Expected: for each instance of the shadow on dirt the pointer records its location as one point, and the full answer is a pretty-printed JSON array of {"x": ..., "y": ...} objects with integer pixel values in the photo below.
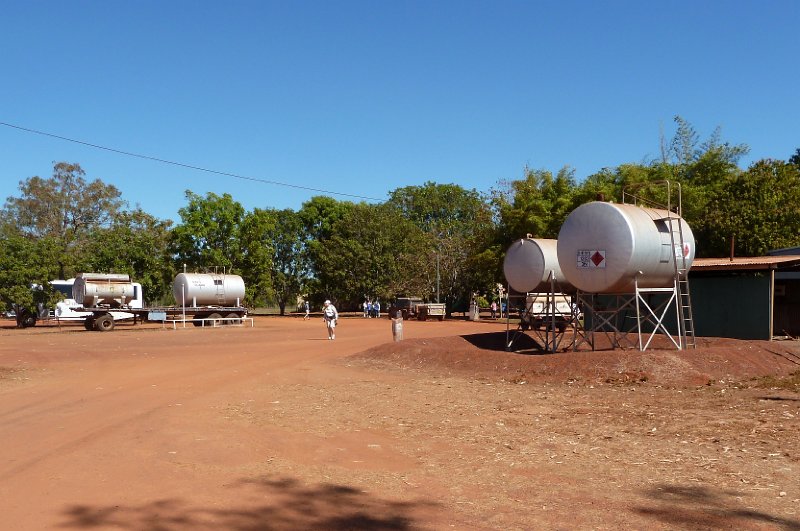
[
  {"x": 522, "y": 343},
  {"x": 282, "y": 503},
  {"x": 778, "y": 398},
  {"x": 700, "y": 508}
]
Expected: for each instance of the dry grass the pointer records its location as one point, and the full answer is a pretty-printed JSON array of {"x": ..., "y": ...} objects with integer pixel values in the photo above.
[{"x": 789, "y": 383}]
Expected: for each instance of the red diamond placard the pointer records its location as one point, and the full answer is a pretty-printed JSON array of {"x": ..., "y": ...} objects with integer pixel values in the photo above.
[{"x": 597, "y": 258}]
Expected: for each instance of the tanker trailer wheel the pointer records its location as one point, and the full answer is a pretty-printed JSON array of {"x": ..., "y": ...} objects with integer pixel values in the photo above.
[
  {"x": 26, "y": 319},
  {"x": 215, "y": 315},
  {"x": 88, "y": 323},
  {"x": 441, "y": 317},
  {"x": 233, "y": 319},
  {"x": 104, "y": 323}
]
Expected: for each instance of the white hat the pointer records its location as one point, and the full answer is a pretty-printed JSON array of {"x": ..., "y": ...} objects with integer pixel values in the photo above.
[{"x": 327, "y": 302}]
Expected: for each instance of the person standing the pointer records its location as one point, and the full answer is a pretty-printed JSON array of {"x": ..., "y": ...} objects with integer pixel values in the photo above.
[
  {"x": 364, "y": 306},
  {"x": 369, "y": 309},
  {"x": 494, "y": 309},
  {"x": 330, "y": 316},
  {"x": 377, "y": 308},
  {"x": 307, "y": 316}
]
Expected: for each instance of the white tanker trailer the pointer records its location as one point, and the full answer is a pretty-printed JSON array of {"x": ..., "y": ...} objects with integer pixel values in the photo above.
[{"x": 198, "y": 296}]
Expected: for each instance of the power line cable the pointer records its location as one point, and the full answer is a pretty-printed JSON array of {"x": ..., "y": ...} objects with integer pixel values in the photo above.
[{"x": 188, "y": 166}]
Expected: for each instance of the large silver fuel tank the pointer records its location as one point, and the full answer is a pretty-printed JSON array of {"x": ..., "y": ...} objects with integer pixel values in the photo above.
[
  {"x": 528, "y": 264},
  {"x": 208, "y": 289},
  {"x": 94, "y": 289},
  {"x": 603, "y": 247}
]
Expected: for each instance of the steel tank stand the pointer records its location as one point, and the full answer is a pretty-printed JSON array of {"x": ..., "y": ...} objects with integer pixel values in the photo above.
[
  {"x": 611, "y": 316},
  {"x": 547, "y": 327}
]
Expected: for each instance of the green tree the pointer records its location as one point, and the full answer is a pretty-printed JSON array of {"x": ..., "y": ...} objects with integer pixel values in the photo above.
[
  {"x": 458, "y": 224},
  {"x": 374, "y": 252},
  {"x": 208, "y": 235},
  {"x": 257, "y": 249},
  {"x": 759, "y": 208},
  {"x": 318, "y": 216},
  {"x": 26, "y": 262},
  {"x": 536, "y": 204},
  {"x": 289, "y": 259},
  {"x": 604, "y": 185},
  {"x": 795, "y": 159},
  {"x": 64, "y": 208}
]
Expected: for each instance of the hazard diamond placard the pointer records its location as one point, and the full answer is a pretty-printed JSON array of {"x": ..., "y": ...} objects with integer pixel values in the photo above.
[{"x": 591, "y": 259}]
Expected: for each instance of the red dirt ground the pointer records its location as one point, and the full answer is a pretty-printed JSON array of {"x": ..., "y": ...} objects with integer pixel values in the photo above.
[{"x": 275, "y": 427}]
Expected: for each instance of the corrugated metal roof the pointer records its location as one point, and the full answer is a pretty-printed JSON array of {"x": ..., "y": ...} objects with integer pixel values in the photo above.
[{"x": 746, "y": 262}]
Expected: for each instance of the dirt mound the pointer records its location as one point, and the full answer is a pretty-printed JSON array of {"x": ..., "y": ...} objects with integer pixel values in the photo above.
[{"x": 484, "y": 356}]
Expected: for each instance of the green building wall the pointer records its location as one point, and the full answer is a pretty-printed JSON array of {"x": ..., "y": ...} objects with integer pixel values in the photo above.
[{"x": 734, "y": 306}]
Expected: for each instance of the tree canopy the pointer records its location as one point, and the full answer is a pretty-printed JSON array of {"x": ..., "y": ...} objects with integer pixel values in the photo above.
[{"x": 64, "y": 208}]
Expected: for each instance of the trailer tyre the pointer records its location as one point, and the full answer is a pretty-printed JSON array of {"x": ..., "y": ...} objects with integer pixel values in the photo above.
[
  {"x": 104, "y": 323},
  {"x": 88, "y": 323},
  {"x": 27, "y": 319},
  {"x": 233, "y": 319}
]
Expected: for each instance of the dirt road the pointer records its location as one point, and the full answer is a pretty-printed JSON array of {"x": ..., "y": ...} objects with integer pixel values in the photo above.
[{"x": 275, "y": 427}]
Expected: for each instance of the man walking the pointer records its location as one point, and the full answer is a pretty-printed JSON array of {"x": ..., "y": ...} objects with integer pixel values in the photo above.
[{"x": 330, "y": 316}]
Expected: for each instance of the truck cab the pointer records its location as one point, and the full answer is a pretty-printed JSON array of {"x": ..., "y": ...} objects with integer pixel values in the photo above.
[
  {"x": 407, "y": 306},
  {"x": 416, "y": 307}
]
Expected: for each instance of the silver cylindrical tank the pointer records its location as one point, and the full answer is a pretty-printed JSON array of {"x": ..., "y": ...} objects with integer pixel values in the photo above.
[
  {"x": 93, "y": 289},
  {"x": 603, "y": 247},
  {"x": 528, "y": 264},
  {"x": 208, "y": 289}
]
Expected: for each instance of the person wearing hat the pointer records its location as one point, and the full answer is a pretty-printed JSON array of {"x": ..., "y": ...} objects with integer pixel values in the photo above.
[{"x": 330, "y": 316}]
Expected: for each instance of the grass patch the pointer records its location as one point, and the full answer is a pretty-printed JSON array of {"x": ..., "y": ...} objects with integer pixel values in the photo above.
[{"x": 789, "y": 383}]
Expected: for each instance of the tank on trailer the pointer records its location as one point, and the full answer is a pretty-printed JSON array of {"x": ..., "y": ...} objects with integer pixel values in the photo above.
[
  {"x": 607, "y": 247},
  {"x": 208, "y": 289},
  {"x": 103, "y": 289}
]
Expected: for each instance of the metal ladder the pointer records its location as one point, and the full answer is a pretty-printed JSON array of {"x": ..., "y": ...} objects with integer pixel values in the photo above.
[
  {"x": 220, "y": 289},
  {"x": 681, "y": 282},
  {"x": 684, "y": 297}
]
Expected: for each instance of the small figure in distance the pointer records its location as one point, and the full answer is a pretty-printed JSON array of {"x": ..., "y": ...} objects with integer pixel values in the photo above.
[
  {"x": 330, "y": 316},
  {"x": 307, "y": 316}
]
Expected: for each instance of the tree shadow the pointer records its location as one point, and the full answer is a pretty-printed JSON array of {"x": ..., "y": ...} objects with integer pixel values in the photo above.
[
  {"x": 283, "y": 503},
  {"x": 691, "y": 507}
]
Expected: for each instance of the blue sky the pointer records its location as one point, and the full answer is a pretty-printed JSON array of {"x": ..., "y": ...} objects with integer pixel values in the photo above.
[{"x": 363, "y": 97}]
